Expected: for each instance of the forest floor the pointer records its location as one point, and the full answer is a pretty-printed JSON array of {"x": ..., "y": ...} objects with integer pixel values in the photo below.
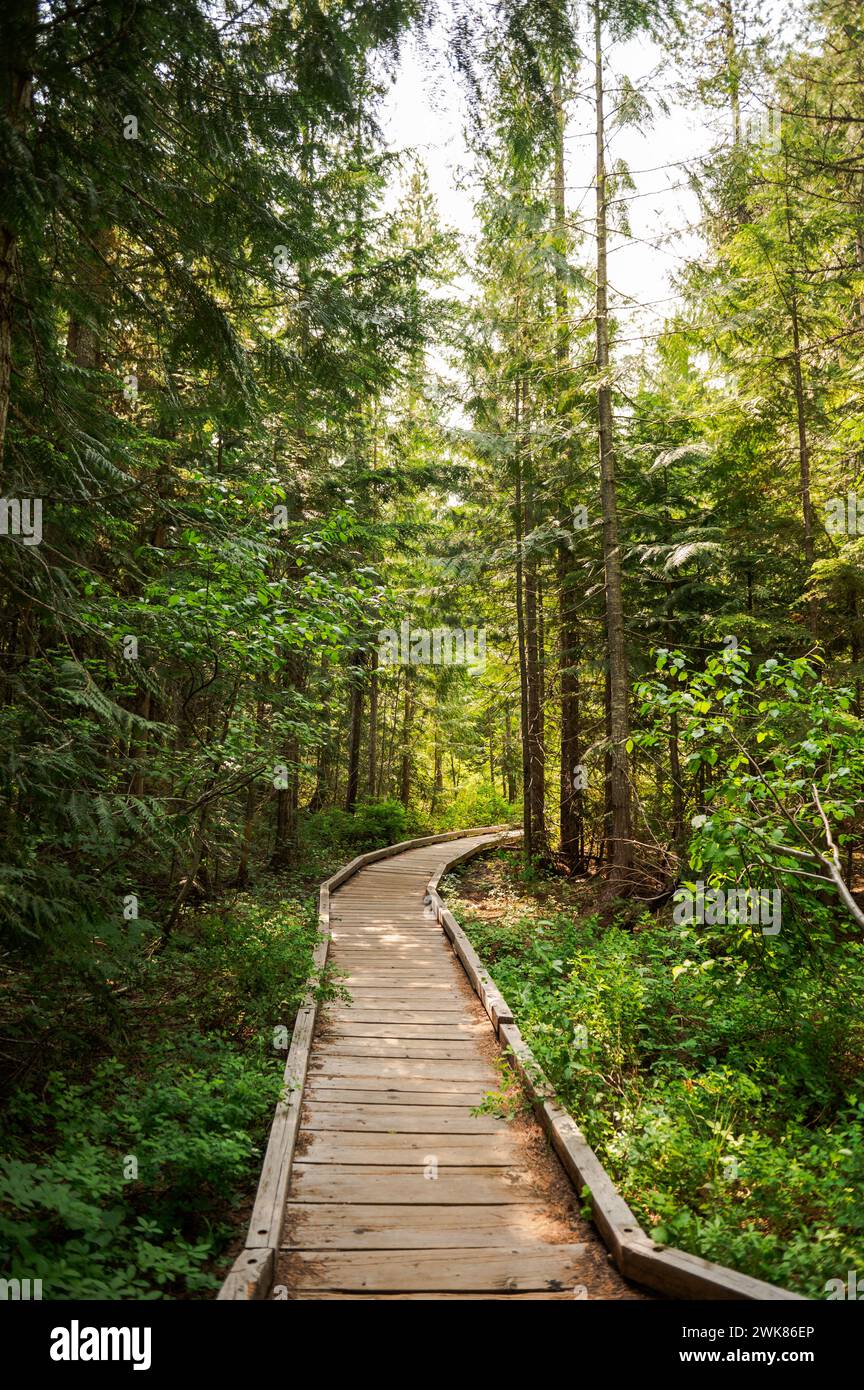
[
  {"x": 138, "y": 1095},
  {"x": 725, "y": 1103}
]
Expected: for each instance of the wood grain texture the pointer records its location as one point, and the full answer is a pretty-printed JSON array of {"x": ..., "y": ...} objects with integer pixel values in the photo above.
[{"x": 399, "y": 1187}]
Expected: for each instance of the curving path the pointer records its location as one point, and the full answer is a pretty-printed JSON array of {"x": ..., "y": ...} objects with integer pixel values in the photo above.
[{"x": 397, "y": 1189}]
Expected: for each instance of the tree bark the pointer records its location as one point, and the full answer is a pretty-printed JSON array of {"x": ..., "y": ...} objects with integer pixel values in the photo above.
[
  {"x": 373, "y": 723},
  {"x": 510, "y": 783},
  {"x": 571, "y": 826},
  {"x": 527, "y": 807},
  {"x": 405, "y": 766},
  {"x": 617, "y": 800},
  {"x": 534, "y": 660},
  {"x": 288, "y": 798},
  {"x": 355, "y": 727}
]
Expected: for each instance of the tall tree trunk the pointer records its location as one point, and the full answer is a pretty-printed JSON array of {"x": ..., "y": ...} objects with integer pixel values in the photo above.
[
  {"x": 355, "y": 727},
  {"x": 405, "y": 766},
  {"x": 525, "y": 724},
  {"x": 510, "y": 784},
  {"x": 387, "y": 769},
  {"x": 325, "y": 757},
  {"x": 619, "y": 853},
  {"x": 572, "y": 826},
  {"x": 800, "y": 404},
  {"x": 373, "y": 723},
  {"x": 285, "y": 849},
  {"x": 534, "y": 662},
  {"x": 241, "y": 878},
  {"x": 437, "y": 777},
  {"x": 288, "y": 797},
  {"x": 571, "y": 829},
  {"x": 803, "y": 451},
  {"x": 677, "y": 786}
]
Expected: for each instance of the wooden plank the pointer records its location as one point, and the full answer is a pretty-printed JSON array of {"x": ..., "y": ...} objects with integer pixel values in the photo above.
[
  {"x": 555, "y": 1268},
  {"x": 397, "y": 1119},
  {"x": 266, "y": 1220},
  {"x": 411, "y": 960},
  {"x": 446, "y": 1049},
  {"x": 385, "y": 1006},
  {"x": 392, "y": 944},
  {"x": 385, "y": 1067},
  {"x": 406, "y": 977},
  {"x": 400, "y": 994},
  {"x": 393, "y": 1015},
  {"x": 328, "y": 1296},
  {"x": 490, "y": 996},
  {"x": 382, "y": 929},
  {"x": 429, "y": 1031},
  {"x": 357, "y": 1091},
  {"x": 680, "y": 1275},
  {"x": 377, "y": 990},
  {"x": 377, "y": 982},
  {"x": 467, "y": 1093},
  {"x": 403, "y": 903},
  {"x": 415, "y": 958},
  {"x": 468, "y": 1150},
  {"x": 402, "y": 942},
  {"x": 348, "y": 1182},
  {"x": 355, "y": 1226},
  {"x": 612, "y": 1216},
  {"x": 411, "y": 911},
  {"x": 414, "y": 965},
  {"x": 399, "y": 902},
  {"x": 250, "y": 1276}
]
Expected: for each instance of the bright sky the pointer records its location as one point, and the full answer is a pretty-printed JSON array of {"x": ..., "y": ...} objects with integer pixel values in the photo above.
[{"x": 425, "y": 110}]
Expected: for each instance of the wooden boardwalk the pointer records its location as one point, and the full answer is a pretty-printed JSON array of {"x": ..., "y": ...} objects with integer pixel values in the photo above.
[{"x": 397, "y": 1190}]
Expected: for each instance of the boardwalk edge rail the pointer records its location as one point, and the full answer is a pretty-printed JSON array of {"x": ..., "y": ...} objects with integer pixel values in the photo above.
[
  {"x": 253, "y": 1272},
  {"x": 638, "y": 1257}
]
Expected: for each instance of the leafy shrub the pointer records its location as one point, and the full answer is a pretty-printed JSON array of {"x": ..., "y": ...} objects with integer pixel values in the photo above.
[
  {"x": 726, "y": 1098},
  {"x": 79, "y": 1222},
  {"x": 188, "y": 1095},
  {"x": 372, "y": 825},
  {"x": 481, "y": 805}
]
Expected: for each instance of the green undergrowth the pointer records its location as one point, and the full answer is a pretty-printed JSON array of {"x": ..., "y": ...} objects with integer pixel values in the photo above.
[
  {"x": 139, "y": 1074},
  {"x": 719, "y": 1080},
  {"x": 136, "y": 1125},
  {"x": 373, "y": 825}
]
